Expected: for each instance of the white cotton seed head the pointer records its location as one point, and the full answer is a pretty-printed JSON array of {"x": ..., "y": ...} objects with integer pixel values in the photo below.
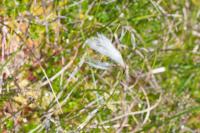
[{"x": 104, "y": 46}]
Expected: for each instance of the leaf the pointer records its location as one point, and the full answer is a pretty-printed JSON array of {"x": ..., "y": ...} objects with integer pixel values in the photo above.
[
  {"x": 98, "y": 64},
  {"x": 104, "y": 46}
]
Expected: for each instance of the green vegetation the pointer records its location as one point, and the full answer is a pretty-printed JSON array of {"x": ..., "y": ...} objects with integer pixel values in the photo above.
[{"x": 53, "y": 81}]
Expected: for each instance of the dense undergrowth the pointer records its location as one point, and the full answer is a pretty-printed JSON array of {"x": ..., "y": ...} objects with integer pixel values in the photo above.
[{"x": 50, "y": 82}]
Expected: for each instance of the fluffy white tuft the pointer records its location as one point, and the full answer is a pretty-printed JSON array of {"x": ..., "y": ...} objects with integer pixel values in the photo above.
[{"x": 104, "y": 46}]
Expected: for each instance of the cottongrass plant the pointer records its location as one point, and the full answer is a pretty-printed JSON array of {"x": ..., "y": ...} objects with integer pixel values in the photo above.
[{"x": 104, "y": 46}]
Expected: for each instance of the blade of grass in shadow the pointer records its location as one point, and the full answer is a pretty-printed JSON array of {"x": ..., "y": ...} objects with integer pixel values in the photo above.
[{"x": 167, "y": 120}]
